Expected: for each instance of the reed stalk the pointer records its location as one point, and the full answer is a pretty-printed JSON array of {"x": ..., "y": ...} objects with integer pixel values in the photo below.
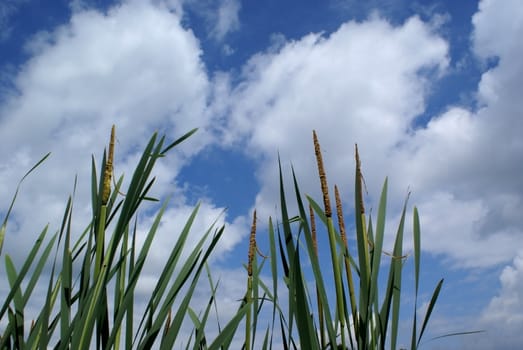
[
  {"x": 321, "y": 318},
  {"x": 332, "y": 239},
  {"x": 249, "y": 295},
  {"x": 346, "y": 261}
]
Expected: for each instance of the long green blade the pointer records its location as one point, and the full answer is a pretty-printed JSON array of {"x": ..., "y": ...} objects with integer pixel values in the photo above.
[
  {"x": 430, "y": 307},
  {"x": 417, "y": 253},
  {"x": 3, "y": 228}
]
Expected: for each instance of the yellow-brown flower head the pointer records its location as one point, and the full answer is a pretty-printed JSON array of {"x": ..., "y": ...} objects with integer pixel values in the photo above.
[
  {"x": 323, "y": 177},
  {"x": 252, "y": 245},
  {"x": 108, "y": 172},
  {"x": 339, "y": 213}
]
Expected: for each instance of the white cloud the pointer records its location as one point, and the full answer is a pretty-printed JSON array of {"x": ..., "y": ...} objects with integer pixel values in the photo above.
[
  {"x": 477, "y": 157},
  {"x": 134, "y": 66},
  {"x": 502, "y": 319},
  {"x": 459, "y": 235},
  {"x": 505, "y": 307},
  {"x": 221, "y": 17},
  {"x": 227, "y": 19},
  {"x": 494, "y": 26},
  {"x": 364, "y": 83}
]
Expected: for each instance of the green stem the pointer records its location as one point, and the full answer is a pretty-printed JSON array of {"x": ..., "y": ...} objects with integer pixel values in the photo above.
[
  {"x": 248, "y": 299},
  {"x": 100, "y": 237},
  {"x": 337, "y": 279},
  {"x": 352, "y": 296},
  {"x": 101, "y": 320}
]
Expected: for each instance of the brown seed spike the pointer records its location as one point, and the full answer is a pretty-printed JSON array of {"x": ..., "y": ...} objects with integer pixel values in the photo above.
[
  {"x": 323, "y": 177},
  {"x": 252, "y": 245},
  {"x": 339, "y": 213},
  {"x": 108, "y": 172},
  {"x": 359, "y": 179}
]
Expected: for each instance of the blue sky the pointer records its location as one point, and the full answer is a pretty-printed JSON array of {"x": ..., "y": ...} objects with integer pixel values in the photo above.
[{"x": 428, "y": 90}]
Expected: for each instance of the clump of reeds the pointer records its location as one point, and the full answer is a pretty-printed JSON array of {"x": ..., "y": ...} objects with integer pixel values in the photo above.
[
  {"x": 374, "y": 317},
  {"x": 76, "y": 312}
]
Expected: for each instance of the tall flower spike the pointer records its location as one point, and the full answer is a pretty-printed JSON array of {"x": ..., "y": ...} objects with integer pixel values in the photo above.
[
  {"x": 108, "y": 172},
  {"x": 339, "y": 213},
  {"x": 252, "y": 245},
  {"x": 323, "y": 177}
]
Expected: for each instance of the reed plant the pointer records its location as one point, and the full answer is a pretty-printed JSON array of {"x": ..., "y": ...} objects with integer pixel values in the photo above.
[
  {"x": 358, "y": 317},
  {"x": 96, "y": 307},
  {"x": 76, "y": 313}
]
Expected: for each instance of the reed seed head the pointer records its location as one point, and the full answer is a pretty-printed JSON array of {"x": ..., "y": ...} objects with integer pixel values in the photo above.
[
  {"x": 252, "y": 245},
  {"x": 339, "y": 213},
  {"x": 108, "y": 172},
  {"x": 323, "y": 177}
]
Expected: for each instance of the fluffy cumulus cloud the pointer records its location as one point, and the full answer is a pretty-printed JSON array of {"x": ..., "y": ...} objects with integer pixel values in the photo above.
[
  {"x": 504, "y": 315},
  {"x": 477, "y": 157},
  {"x": 364, "y": 83},
  {"x": 367, "y": 83},
  {"x": 134, "y": 66},
  {"x": 502, "y": 125}
]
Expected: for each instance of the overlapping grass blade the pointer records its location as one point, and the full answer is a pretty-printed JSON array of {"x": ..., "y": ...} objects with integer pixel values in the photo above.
[
  {"x": 274, "y": 273},
  {"x": 18, "y": 315},
  {"x": 363, "y": 252},
  {"x": 378, "y": 243},
  {"x": 315, "y": 265},
  {"x": 223, "y": 340},
  {"x": 397, "y": 265},
  {"x": 15, "y": 285},
  {"x": 66, "y": 273},
  {"x": 200, "y": 339},
  {"x": 177, "y": 321},
  {"x": 128, "y": 293},
  {"x": 168, "y": 269},
  {"x": 130, "y": 306},
  {"x": 304, "y": 322}
]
